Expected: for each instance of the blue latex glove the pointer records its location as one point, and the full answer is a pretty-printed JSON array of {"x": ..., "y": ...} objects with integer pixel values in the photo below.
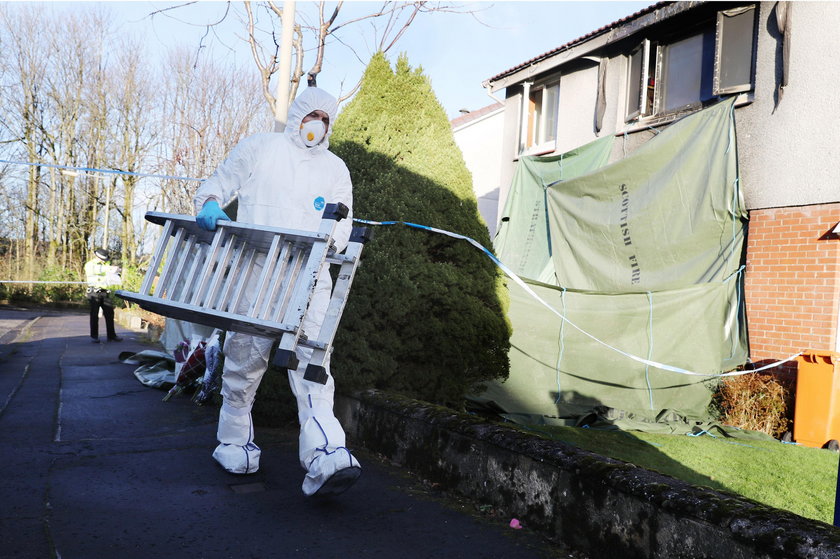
[{"x": 209, "y": 215}]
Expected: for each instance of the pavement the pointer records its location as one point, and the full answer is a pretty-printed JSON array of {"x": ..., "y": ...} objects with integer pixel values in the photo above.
[{"x": 94, "y": 465}]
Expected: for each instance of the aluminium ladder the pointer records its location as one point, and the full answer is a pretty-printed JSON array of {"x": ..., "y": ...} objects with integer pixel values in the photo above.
[{"x": 202, "y": 277}]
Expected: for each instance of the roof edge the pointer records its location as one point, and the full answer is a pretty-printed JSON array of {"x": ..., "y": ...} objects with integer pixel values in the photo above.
[{"x": 654, "y": 13}]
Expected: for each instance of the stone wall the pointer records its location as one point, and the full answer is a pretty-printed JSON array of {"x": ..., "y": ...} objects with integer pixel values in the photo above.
[{"x": 595, "y": 505}]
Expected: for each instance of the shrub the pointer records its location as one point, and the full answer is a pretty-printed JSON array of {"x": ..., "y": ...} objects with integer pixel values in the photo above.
[
  {"x": 425, "y": 316},
  {"x": 54, "y": 292},
  {"x": 132, "y": 278}
]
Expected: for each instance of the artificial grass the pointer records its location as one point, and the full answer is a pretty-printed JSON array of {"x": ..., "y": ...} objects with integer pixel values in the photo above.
[{"x": 785, "y": 476}]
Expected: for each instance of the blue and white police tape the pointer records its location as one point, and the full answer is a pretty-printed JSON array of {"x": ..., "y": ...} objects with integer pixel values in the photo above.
[
  {"x": 508, "y": 272},
  {"x": 45, "y": 282},
  {"x": 93, "y": 170}
]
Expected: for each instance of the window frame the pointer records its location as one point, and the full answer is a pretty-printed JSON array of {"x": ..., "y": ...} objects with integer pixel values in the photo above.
[
  {"x": 660, "y": 77},
  {"x": 533, "y": 129},
  {"x": 716, "y": 78},
  {"x": 644, "y": 71}
]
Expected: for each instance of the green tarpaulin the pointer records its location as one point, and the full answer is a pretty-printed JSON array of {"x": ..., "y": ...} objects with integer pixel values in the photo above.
[
  {"x": 523, "y": 231},
  {"x": 643, "y": 258}
]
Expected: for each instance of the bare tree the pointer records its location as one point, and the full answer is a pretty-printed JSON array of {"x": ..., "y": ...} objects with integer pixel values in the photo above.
[
  {"x": 132, "y": 134},
  {"x": 25, "y": 105},
  {"x": 73, "y": 54},
  {"x": 208, "y": 108},
  {"x": 389, "y": 22},
  {"x": 74, "y": 97}
]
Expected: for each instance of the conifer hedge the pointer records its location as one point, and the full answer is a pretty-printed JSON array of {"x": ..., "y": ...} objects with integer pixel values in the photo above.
[{"x": 426, "y": 314}]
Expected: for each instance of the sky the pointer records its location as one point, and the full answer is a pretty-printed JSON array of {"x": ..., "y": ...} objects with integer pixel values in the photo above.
[{"x": 457, "y": 51}]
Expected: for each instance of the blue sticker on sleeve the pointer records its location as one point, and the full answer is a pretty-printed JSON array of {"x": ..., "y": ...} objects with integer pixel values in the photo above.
[{"x": 320, "y": 203}]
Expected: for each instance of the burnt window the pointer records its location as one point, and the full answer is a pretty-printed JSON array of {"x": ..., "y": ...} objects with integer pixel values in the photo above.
[{"x": 669, "y": 74}]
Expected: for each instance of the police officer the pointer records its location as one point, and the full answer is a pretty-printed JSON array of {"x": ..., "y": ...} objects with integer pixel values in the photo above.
[{"x": 100, "y": 275}]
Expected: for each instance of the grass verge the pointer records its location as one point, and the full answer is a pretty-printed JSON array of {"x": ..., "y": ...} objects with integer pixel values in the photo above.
[{"x": 785, "y": 476}]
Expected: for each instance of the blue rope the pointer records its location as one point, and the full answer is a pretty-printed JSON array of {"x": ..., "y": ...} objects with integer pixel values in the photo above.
[
  {"x": 650, "y": 347},
  {"x": 704, "y": 432},
  {"x": 699, "y": 433},
  {"x": 738, "y": 287},
  {"x": 731, "y": 126},
  {"x": 562, "y": 344}
]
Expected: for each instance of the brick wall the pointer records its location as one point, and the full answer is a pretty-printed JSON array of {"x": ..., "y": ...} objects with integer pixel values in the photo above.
[{"x": 792, "y": 280}]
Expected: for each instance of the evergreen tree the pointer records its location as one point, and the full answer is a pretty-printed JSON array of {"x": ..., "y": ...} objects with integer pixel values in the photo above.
[{"x": 425, "y": 316}]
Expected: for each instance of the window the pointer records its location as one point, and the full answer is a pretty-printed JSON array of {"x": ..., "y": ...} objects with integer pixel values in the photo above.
[
  {"x": 675, "y": 73},
  {"x": 639, "y": 86},
  {"x": 634, "y": 82},
  {"x": 733, "y": 53},
  {"x": 542, "y": 115},
  {"x": 684, "y": 72}
]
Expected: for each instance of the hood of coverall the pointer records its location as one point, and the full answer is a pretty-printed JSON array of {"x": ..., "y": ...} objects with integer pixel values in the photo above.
[{"x": 311, "y": 99}]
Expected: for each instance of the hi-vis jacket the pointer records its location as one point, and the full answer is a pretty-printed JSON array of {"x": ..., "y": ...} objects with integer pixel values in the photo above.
[
  {"x": 281, "y": 182},
  {"x": 101, "y": 275}
]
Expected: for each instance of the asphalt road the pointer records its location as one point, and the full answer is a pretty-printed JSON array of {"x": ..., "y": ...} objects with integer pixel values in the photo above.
[{"x": 94, "y": 465}]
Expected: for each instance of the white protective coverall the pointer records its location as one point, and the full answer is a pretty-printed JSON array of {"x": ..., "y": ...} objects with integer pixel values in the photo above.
[{"x": 283, "y": 183}]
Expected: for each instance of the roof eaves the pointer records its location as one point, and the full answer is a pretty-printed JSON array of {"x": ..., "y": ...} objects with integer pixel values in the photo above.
[{"x": 580, "y": 40}]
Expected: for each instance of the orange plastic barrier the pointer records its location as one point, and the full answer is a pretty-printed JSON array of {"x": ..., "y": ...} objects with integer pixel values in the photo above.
[{"x": 816, "y": 420}]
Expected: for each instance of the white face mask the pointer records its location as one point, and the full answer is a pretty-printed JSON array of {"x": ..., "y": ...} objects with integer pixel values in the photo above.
[{"x": 312, "y": 132}]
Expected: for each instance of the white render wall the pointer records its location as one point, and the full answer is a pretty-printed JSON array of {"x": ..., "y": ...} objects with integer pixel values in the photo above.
[
  {"x": 576, "y": 115},
  {"x": 791, "y": 157},
  {"x": 481, "y": 145}
]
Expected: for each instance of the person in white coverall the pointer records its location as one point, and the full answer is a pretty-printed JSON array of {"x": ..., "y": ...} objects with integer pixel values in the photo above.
[{"x": 284, "y": 180}]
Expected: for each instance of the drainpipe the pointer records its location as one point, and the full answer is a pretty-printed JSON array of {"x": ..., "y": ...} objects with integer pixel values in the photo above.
[
  {"x": 490, "y": 94},
  {"x": 523, "y": 115},
  {"x": 836, "y": 231}
]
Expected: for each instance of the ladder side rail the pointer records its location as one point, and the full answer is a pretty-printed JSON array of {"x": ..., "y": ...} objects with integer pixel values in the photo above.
[
  {"x": 200, "y": 315},
  {"x": 299, "y": 293},
  {"x": 222, "y": 271},
  {"x": 305, "y": 284},
  {"x": 341, "y": 291},
  {"x": 315, "y": 371},
  {"x": 268, "y": 268},
  {"x": 146, "y": 287},
  {"x": 207, "y": 269},
  {"x": 163, "y": 286},
  {"x": 349, "y": 263}
]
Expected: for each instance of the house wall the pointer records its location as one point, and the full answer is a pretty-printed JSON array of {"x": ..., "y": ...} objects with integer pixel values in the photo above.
[
  {"x": 481, "y": 145},
  {"x": 576, "y": 115},
  {"x": 792, "y": 280},
  {"x": 510, "y": 143},
  {"x": 788, "y": 153},
  {"x": 787, "y": 156}
]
